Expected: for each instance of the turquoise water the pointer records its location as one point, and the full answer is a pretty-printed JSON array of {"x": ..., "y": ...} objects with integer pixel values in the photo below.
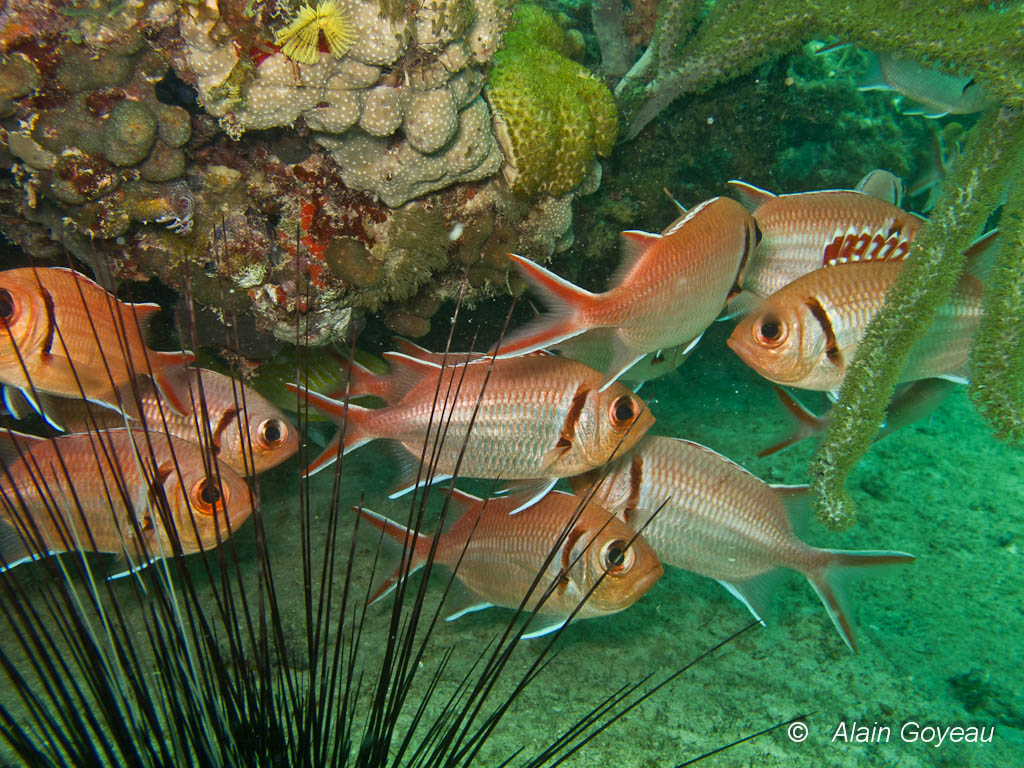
[{"x": 940, "y": 641}]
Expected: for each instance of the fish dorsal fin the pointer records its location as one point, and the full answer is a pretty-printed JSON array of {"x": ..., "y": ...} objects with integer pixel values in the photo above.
[
  {"x": 635, "y": 244},
  {"x": 410, "y": 348},
  {"x": 144, "y": 314},
  {"x": 796, "y": 499},
  {"x": 865, "y": 244},
  {"x": 408, "y": 371},
  {"x": 883, "y": 185},
  {"x": 13, "y": 445},
  {"x": 980, "y": 254},
  {"x": 749, "y": 196}
]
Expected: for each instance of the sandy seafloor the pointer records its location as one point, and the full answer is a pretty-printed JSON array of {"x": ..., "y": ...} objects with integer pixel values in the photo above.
[{"x": 943, "y": 490}]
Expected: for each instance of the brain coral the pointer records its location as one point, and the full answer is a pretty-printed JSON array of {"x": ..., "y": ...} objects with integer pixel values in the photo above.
[{"x": 551, "y": 115}]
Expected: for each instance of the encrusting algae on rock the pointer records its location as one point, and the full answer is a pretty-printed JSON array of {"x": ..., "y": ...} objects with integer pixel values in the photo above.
[{"x": 551, "y": 114}]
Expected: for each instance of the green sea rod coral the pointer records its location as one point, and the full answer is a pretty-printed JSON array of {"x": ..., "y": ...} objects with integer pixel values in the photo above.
[
  {"x": 551, "y": 115},
  {"x": 997, "y": 357},
  {"x": 698, "y": 46},
  {"x": 934, "y": 265}
]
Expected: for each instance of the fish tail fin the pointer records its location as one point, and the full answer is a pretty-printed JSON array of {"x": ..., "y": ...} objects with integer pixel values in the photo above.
[
  {"x": 568, "y": 305},
  {"x": 361, "y": 381},
  {"x": 830, "y": 582},
  {"x": 980, "y": 255},
  {"x": 171, "y": 375},
  {"x": 354, "y": 421},
  {"x": 874, "y": 79},
  {"x": 806, "y": 423},
  {"x": 415, "y": 548}
]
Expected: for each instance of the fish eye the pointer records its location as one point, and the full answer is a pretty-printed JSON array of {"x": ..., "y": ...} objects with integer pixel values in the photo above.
[
  {"x": 6, "y": 306},
  {"x": 770, "y": 332},
  {"x": 270, "y": 433},
  {"x": 623, "y": 411},
  {"x": 617, "y": 556},
  {"x": 207, "y": 496}
]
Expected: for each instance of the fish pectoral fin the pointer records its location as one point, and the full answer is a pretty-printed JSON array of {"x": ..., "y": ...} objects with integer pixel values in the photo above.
[
  {"x": 544, "y": 625},
  {"x": 549, "y": 459},
  {"x": 743, "y": 303}
]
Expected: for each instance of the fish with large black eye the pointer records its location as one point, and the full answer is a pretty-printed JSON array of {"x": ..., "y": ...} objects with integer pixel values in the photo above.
[
  {"x": 246, "y": 431},
  {"x": 600, "y": 562},
  {"x": 62, "y": 334},
  {"x": 534, "y": 418},
  {"x": 203, "y": 508}
]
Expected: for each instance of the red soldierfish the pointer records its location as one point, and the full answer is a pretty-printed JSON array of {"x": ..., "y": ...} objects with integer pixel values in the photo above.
[
  {"x": 716, "y": 519},
  {"x": 668, "y": 290},
  {"x": 497, "y": 557},
  {"x": 60, "y": 331},
  {"x": 271, "y": 438},
  {"x": 537, "y": 417},
  {"x": 96, "y": 492},
  {"x": 803, "y": 232},
  {"x": 806, "y": 334}
]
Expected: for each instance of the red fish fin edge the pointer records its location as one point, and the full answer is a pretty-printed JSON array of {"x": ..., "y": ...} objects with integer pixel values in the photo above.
[
  {"x": 171, "y": 375},
  {"x": 567, "y": 304},
  {"x": 419, "y": 544}
]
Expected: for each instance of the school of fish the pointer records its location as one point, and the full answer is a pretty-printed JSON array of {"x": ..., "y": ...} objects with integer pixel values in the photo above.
[{"x": 804, "y": 274}]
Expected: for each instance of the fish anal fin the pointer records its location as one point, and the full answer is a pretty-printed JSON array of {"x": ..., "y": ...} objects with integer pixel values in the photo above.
[
  {"x": 756, "y": 593},
  {"x": 14, "y": 551},
  {"x": 623, "y": 358},
  {"x": 542, "y": 624},
  {"x": 460, "y": 500},
  {"x": 523, "y": 494},
  {"x": 749, "y": 196}
]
